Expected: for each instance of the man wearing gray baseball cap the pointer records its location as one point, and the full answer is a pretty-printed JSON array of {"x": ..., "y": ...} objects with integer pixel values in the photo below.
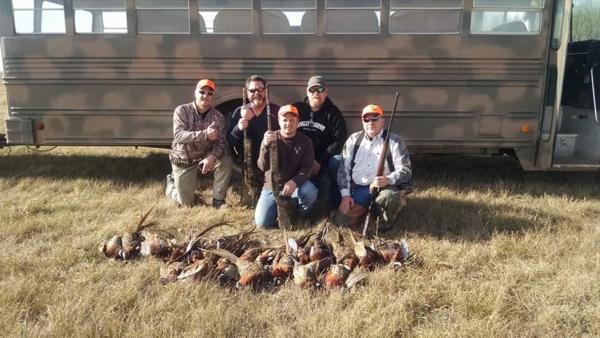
[{"x": 324, "y": 124}]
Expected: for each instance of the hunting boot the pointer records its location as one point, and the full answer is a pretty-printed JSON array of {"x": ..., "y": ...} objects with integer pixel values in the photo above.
[{"x": 351, "y": 219}]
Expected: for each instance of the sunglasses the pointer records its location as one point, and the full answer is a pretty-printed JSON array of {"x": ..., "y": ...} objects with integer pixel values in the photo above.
[
  {"x": 317, "y": 90},
  {"x": 254, "y": 90},
  {"x": 368, "y": 119},
  {"x": 202, "y": 92}
]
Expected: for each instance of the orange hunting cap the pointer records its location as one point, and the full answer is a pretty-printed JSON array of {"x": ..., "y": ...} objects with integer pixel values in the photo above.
[
  {"x": 206, "y": 83},
  {"x": 372, "y": 109},
  {"x": 288, "y": 108}
]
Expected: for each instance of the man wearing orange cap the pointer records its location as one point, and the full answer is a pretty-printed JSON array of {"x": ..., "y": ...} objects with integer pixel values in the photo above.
[
  {"x": 357, "y": 172},
  {"x": 198, "y": 146},
  {"x": 296, "y": 158}
]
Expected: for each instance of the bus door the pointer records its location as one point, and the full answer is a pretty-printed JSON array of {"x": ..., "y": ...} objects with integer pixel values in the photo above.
[{"x": 577, "y": 139}]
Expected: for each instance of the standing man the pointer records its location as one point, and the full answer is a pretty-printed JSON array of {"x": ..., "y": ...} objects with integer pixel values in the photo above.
[
  {"x": 358, "y": 169},
  {"x": 198, "y": 146},
  {"x": 323, "y": 123},
  {"x": 253, "y": 117},
  {"x": 296, "y": 159}
]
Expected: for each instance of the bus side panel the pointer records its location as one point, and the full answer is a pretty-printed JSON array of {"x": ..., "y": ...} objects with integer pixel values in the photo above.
[{"x": 459, "y": 94}]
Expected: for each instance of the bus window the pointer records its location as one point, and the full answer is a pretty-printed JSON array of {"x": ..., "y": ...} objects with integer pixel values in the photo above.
[
  {"x": 103, "y": 17},
  {"x": 353, "y": 16},
  {"x": 425, "y": 16},
  {"x": 512, "y": 17},
  {"x": 162, "y": 16},
  {"x": 39, "y": 17},
  {"x": 225, "y": 16},
  {"x": 295, "y": 16}
]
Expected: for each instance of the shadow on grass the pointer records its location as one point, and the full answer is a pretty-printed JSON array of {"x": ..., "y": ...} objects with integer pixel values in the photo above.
[
  {"x": 454, "y": 219},
  {"x": 456, "y": 173},
  {"x": 501, "y": 174},
  {"x": 121, "y": 170},
  {"x": 444, "y": 218}
]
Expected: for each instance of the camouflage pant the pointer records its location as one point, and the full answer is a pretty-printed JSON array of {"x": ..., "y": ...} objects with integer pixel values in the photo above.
[
  {"x": 389, "y": 202},
  {"x": 185, "y": 181}
]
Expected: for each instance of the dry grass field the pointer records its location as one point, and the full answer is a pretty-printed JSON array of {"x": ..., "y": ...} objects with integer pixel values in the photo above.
[{"x": 501, "y": 252}]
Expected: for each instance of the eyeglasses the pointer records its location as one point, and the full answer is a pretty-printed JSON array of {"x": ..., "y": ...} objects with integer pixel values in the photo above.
[
  {"x": 254, "y": 90},
  {"x": 202, "y": 92},
  {"x": 316, "y": 90},
  {"x": 368, "y": 119}
]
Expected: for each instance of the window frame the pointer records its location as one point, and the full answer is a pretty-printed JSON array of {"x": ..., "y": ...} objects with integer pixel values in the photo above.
[
  {"x": 315, "y": 9},
  {"x": 186, "y": 10},
  {"x": 460, "y": 9},
  {"x": 127, "y": 31},
  {"x": 506, "y": 10},
  {"x": 34, "y": 10},
  {"x": 217, "y": 9},
  {"x": 380, "y": 20}
]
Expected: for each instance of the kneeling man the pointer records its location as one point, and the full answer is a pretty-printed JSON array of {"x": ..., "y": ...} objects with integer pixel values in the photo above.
[
  {"x": 198, "y": 147},
  {"x": 359, "y": 168},
  {"x": 295, "y": 158}
]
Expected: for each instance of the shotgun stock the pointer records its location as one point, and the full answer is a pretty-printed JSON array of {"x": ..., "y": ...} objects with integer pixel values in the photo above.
[
  {"x": 380, "y": 171},
  {"x": 248, "y": 184},
  {"x": 284, "y": 204}
]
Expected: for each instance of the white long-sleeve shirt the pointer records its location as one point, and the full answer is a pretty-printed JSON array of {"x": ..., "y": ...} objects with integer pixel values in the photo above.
[{"x": 367, "y": 158}]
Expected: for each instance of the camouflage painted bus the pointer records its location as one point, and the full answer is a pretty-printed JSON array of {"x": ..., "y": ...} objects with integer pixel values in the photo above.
[{"x": 474, "y": 76}]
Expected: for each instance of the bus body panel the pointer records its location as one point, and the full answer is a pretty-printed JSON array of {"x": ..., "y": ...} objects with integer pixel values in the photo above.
[{"x": 459, "y": 93}]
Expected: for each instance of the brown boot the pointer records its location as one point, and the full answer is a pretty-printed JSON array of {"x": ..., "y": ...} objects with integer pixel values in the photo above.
[{"x": 350, "y": 219}]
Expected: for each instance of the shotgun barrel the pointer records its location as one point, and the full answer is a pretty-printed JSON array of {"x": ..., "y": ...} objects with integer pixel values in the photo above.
[{"x": 380, "y": 170}]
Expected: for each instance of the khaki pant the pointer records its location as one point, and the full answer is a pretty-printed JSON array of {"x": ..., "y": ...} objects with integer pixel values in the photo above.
[
  {"x": 388, "y": 204},
  {"x": 185, "y": 181}
]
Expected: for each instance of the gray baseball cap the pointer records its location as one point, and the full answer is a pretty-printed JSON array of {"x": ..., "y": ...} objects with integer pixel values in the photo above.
[{"x": 316, "y": 80}]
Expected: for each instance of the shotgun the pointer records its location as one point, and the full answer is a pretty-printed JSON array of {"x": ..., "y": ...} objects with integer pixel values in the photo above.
[
  {"x": 273, "y": 152},
  {"x": 380, "y": 171},
  {"x": 283, "y": 203},
  {"x": 248, "y": 191}
]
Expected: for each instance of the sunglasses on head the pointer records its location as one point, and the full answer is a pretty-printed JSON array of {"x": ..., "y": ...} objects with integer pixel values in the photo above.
[
  {"x": 371, "y": 118},
  {"x": 317, "y": 90},
  {"x": 204, "y": 92},
  {"x": 254, "y": 90}
]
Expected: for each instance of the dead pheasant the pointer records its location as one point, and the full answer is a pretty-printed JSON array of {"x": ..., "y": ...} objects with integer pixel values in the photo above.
[
  {"x": 306, "y": 275},
  {"x": 319, "y": 248},
  {"x": 251, "y": 272},
  {"x": 340, "y": 275},
  {"x": 368, "y": 257},
  {"x": 195, "y": 245},
  {"x": 395, "y": 253},
  {"x": 132, "y": 240},
  {"x": 113, "y": 248},
  {"x": 336, "y": 276},
  {"x": 345, "y": 252},
  {"x": 169, "y": 273},
  {"x": 196, "y": 271}
]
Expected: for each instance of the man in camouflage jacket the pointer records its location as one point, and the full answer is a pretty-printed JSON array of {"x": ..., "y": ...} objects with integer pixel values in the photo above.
[{"x": 198, "y": 147}]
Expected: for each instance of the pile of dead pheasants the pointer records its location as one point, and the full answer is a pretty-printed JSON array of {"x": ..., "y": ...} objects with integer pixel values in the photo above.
[{"x": 328, "y": 257}]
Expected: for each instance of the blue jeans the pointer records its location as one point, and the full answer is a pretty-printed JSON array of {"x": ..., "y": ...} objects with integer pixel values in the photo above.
[
  {"x": 265, "y": 215},
  {"x": 362, "y": 196},
  {"x": 326, "y": 181}
]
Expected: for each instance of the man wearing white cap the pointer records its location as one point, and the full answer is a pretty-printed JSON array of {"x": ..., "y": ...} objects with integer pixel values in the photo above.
[
  {"x": 358, "y": 169},
  {"x": 198, "y": 147},
  {"x": 296, "y": 158}
]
